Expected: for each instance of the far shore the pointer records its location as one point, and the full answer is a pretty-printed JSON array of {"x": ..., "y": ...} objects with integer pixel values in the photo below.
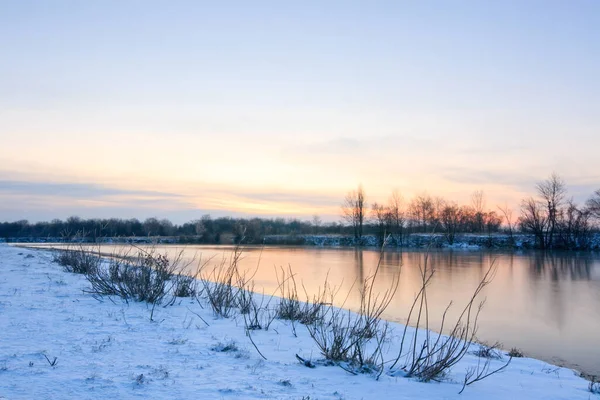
[{"x": 498, "y": 241}]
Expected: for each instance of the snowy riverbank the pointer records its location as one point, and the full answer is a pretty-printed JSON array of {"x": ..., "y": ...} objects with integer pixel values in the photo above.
[{"x": 112, "y": 350}]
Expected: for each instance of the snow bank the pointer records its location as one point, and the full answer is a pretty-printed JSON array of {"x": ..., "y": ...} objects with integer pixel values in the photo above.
[{"x": 112, "y": 350}]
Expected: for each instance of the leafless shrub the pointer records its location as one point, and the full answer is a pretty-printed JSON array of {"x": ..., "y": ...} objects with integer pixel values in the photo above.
[
  {"x": 431, "y": 357},
  {"x": 344, "y": 337},
  {"x": 374, "y": 361},
  {"x": 76, "y": 259},
  {"x": 476, "y": 374},
  {"x": 219, "y": 285},
  {"x": 336, "y": 336},
  {"x": 245, "y": 295},
  {"x": 332, "y": 330},
  {"x": 256, "y": 314},
  {"x": 245, "y": 299},
  {"x": 146, "y": 276},
  {"x": 288, "y": 307},
  {"x": 254, "y": 309},
  {"x": 489, "y": 351},
  {"x": 184, "y": 285},
  {"x": 313, "y": 310},
  {"x": 516, "y": 353},
  {"x": 143, "y": 278},
  {"x": 372, "y": 305}
]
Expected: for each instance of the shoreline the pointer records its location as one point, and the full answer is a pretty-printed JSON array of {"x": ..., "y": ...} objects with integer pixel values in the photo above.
[
  {"x": 163, "y": 359},
  {"x": 413, "y": 241},
  {"x": 555, "y": 360}
]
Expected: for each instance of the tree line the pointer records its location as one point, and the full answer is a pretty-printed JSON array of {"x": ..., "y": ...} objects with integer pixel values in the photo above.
[
  {"x": 423, "y": 214},
  {"x": 203, "y": 230},
  {"x": 551, "y": 216}
]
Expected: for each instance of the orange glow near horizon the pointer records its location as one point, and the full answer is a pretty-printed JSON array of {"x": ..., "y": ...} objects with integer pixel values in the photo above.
[{"x": 237, "y": 116}]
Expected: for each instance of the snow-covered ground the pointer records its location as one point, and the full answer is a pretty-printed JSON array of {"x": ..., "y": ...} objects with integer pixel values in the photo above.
[{"x": 112, "y": 350}]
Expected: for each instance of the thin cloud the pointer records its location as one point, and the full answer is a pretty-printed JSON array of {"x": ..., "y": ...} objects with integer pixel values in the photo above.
[
  {"x": 486, "y": 177},
  {"x": 74, "y": 190},
  {"x": 493, "y": 149},
  {"x": 283, "y": 197},
  {"x": 353, "y": 146}
]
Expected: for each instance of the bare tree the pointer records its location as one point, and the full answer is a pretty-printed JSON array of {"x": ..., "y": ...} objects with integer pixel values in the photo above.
[
  {"x": 450, "y": 220},
  {"x": 478, "y": 203},
  {"x": 422, "y": 210},
  {"x": 574, "y": 230},
  {"x": 316, "y": 223},
  {"x": 439, "y": 203},
  {"x": 491, "y": 221},
  {"x": 151, "y": 227},
  {"x": 510, "y": 223},
  {"x": 534, "y": 219},
  {"x": 396, "y": 216},
  {"x": 166, "y": 227},
  {"x": 544, "y": 216},
  {"x": 552, "y": 192},
  {"x": 353, "y": 210},
  {"x": 593, "y": 204},
  {"x": 199, "y": 228},
  {"x": 381, "y": 218}
]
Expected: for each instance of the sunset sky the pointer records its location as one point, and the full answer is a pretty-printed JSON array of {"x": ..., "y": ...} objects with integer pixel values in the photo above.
[{"x": 181, "y": 108}]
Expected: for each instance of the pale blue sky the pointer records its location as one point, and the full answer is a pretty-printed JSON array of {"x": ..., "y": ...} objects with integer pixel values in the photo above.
[{"x": 184, "y": 107}]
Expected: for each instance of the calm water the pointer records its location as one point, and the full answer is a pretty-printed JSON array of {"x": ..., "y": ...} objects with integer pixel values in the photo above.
[{"x": 548, "y": 305}]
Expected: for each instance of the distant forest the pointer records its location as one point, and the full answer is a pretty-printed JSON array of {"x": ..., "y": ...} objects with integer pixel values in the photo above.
[{"x": 550, "y": 216}]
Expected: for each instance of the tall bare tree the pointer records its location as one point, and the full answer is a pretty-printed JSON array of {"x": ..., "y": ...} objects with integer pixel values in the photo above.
[
  {"x": 381, "y": 217},
  {"x": 316, "y": 223},
  {"x": 450, "y": 220},
  {"x": 396, "y": 215},
  {"x": 552, "y": 192},
  {"x": 353, "y": 210},
  {"x": 575, "y": 228},
  {"x": 534, "y": 219},
  {"x": 422, "y": 210},
  {"x": 478, "y": 204},
  {"x": 439, "y": 203},
  {"x": 542, "y": 216}
]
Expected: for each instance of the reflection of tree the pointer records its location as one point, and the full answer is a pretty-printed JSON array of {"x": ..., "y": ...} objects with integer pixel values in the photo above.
[
  {"x": 391, "y": 263},
  {"x": 560, "y": 266},
  {"x": 359, "y": 263},
  {"x": 510, "y": 260},
  {"x": 392, "y": 258}
]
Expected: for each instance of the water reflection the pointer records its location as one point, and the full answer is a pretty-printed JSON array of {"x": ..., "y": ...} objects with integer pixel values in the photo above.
[
  {"x": 359, "y": 265},
  {"x": 561, "y": 266}
]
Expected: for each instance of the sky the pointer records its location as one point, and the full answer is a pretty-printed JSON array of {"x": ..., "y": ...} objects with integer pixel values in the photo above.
[{"x": 182, "y": 108}]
